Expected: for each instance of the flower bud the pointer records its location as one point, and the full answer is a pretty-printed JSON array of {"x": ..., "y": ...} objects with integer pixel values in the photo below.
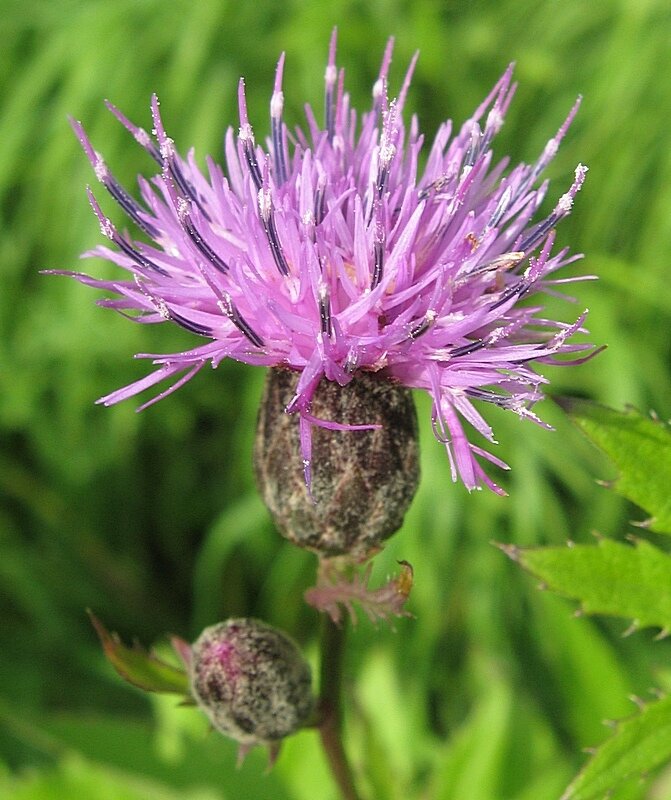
[
  {"x": 362, "y": 480},
  {"x": 251, "y": 680}
]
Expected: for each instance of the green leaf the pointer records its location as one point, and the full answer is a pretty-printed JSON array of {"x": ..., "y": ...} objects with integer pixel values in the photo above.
[
  {"x": 639, "y": 446},
  {"x": 139, "y": 667},
  {"x": 607, "y": 578},
  {"x": 638, "y": 745}
]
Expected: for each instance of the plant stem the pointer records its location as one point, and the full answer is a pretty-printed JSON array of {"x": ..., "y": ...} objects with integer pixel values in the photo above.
[{"x": 330, "y": 709}]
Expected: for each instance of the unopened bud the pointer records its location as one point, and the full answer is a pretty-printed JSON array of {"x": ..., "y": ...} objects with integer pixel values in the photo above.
[
  {"x": 362, "y": 480},
  {"x": 251, "y": 680}
]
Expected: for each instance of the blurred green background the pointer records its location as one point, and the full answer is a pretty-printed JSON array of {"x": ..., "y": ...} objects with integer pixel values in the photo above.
[{"x": 152, "y": 520}]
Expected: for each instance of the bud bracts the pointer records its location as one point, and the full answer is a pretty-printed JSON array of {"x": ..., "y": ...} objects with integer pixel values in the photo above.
[
  {"x": 251, "y": 680},
  {"x": 362, "y": 480}
]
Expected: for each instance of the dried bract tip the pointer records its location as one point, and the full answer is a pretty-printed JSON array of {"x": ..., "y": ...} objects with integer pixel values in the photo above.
[
  {"x": 251, "y": 681},
  {"x": 362, "y": 481},
  {"x": 338, "y": 589}
]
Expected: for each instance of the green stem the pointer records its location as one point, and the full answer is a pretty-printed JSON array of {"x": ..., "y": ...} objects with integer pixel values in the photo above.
[{"x": 330, "y": 709}]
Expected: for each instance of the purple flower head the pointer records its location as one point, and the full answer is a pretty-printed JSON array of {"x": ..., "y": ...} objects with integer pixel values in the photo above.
[{"x": 332, "y": 253}]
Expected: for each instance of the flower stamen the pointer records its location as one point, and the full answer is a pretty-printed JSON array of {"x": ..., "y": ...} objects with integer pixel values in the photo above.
[
  {"x": 424, "y": 325},
  {"x": 325, "y": 310},
  {"x": 128, "y": 203},
  {"x": 227, "y": 306},
  {"x": 268, "y": 221},
  {"x": 378, "y": 254},
  {"x": 246, "y": 137},
  {"x": 330, "y": 80},
  {"x": 169, "y": 161},
  {"x": 320, "y": 200},
  {"x": 110, "y": 232},
  {"x": 184, "y": 216},
  {"x": 277, "y": 126}
]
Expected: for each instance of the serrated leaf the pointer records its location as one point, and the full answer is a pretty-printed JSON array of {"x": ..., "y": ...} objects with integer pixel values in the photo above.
[
  {"x": 638, "y": 745},
  {"x": 140, "y": 667},
  {"x": 639, "y": 446},
  {"x": 607, "y": 578}
]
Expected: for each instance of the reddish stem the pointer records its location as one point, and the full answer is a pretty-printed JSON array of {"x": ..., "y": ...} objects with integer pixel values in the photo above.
[{"x": 330, "y": 709}]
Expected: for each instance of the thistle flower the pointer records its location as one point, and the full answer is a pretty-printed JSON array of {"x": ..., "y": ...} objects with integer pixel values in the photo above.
[{"x": 333, "y": 254}]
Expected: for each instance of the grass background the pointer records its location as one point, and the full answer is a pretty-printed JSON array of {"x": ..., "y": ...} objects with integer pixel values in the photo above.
[{"x": 152, "y": 520}]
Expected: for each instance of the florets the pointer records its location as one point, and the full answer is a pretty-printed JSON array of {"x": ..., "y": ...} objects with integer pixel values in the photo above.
[{"x": 333, "y": 255}]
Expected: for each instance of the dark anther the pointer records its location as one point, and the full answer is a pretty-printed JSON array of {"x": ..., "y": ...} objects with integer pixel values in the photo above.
[
  {"x": 474, "y": 147},
  {"x": 382, "y": 180},
  {"x": 379, "y": 263},
  {"x": 268, "y": 220},
  {"x": 130, "y": 206},
  {"x": 201, "y": 244},
  {"x": 501, "y": 208},
  {"x": 466, "y": 349},
  {"x": 278, "y": 150},
  {"x": 252, "y": 163},
  {"x": 325, "y": 311},
  {"x": 423, "y": 326},
  {"x": 518, "y": 288},
  {"x": 135, "y": 255},
  {"x": 489, "y": 397},
  {"x": 319, "y": 204},
  {"x": 228, "y": 307},
  {"x": 194, "y": 327},
  {"x": 538, "y": 232},
  {"x": 330, "y": 110},
  {"x": 435, "y": 187},
  {"x": 186, "y": 187}
]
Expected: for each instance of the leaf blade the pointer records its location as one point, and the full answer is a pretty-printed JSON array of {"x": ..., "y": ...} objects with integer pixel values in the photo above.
[
  {"x": 639, "y": 446},
  {"x": 609, "y": 578},
  {"x": 638, "y": 745}
]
